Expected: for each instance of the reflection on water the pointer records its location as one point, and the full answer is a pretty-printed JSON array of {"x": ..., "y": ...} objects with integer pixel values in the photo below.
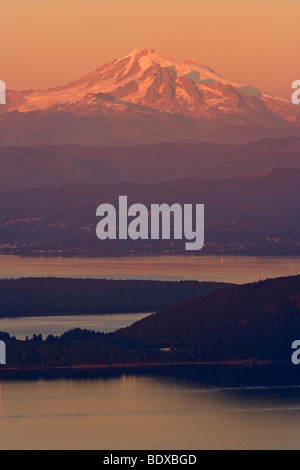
[
  {"x": 238, "y": 269},
  {"x": 56, "y": 325},
  {"x": 169, "y": 408}
]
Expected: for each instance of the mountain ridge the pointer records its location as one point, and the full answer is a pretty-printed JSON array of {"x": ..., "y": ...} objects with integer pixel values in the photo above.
[{"x": 28, "y": 167}]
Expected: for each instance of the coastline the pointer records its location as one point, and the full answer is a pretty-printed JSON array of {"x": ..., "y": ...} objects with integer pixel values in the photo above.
[
  {"x": 187, "y": 254},
  {"x": 248, "y": 362}
]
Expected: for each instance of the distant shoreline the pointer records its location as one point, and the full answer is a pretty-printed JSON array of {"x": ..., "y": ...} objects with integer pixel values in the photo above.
[
  {"x": 76, "y": 314},
  {"x": 47, "y": 296},
  {"x": 153, "y": 255},
  {"x": 248, "y": 362}
]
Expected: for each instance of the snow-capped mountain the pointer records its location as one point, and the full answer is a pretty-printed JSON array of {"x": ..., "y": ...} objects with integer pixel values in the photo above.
[{"x": 143, "y": 97}]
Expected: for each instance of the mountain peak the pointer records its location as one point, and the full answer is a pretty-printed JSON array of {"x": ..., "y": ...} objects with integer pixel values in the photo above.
[
  {"x": 146, "y": 57},
  {"x": 158, "y": 56},
  {"x": 142, "y": 51},
  {"x": 147, "y": 79}
]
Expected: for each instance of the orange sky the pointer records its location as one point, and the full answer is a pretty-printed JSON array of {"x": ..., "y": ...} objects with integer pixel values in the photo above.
[{"x": 50, "y": 42}]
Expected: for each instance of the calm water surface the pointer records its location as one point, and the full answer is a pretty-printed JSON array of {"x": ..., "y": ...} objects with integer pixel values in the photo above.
[
  {"x": 56, "y": 325},
  {"x": 237, "y": 269},
  {"x": 187, "y": 408},
  {"x": 144, "y": 411}
]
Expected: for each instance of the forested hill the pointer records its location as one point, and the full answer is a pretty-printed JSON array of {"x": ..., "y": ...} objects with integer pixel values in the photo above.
[
  {"x": 259, "y": 320},
  {"x": 50, "y": 296},
  {"x": 252, "y": 322}
]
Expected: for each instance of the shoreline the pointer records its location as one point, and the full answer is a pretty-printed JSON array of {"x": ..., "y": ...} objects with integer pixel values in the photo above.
[
  {"x": 234, "y": 254},
  {"x": 248, "y": 362}
]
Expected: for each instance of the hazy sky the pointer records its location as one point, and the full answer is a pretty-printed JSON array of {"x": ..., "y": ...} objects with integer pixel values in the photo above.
[{"x": 46, "y": 43}]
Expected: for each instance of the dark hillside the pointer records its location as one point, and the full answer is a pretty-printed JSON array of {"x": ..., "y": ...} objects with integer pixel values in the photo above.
[{"x": 259, "y": 320}]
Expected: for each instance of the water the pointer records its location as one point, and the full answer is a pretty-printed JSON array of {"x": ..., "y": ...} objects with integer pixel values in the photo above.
[
  {"x": 237, "y": 269},
  {"x": 56, "y": 325},
  {"x": 191, "y": 407},
  {"x": 187, "y": 409}
]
